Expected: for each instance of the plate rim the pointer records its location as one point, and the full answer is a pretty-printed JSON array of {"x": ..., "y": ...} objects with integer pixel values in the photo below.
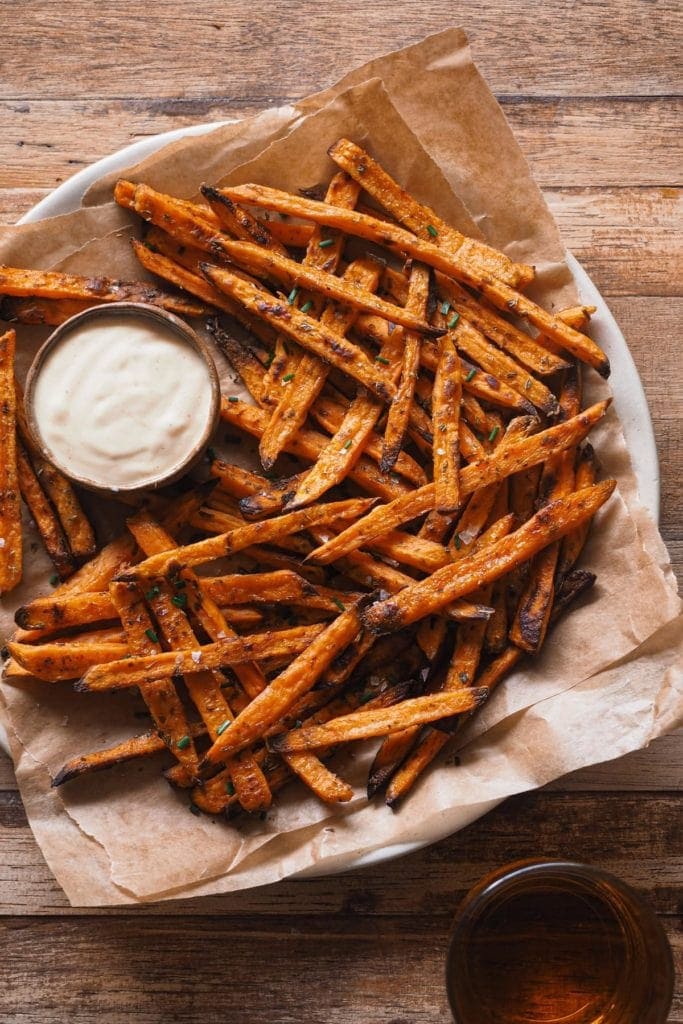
[{"x": 630, "y": 404}]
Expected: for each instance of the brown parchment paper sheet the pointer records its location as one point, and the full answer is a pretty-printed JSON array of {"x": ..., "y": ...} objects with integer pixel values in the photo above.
[{"x": 610, "y": 678}]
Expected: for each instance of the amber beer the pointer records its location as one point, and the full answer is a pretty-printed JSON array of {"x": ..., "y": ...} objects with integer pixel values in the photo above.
[{"x": 550, "y": 942}]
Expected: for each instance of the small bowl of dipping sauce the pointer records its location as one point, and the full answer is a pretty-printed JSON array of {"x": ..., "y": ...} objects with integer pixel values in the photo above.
[{"x": 123, "y": 397}]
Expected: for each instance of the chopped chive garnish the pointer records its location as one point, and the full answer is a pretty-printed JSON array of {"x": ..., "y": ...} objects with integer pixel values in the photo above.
[
  {"x": 306, "y": 306},
  {"x": 432, "y": 230},
  {"x": 381, "y": 359},
  {"x": 457, "y": 541},
  {"x": 269, "y": 361},
  {"x": 298, "y": 723},
  {"x": 365, "y": 697},
  {"x": 179, "y": 600},
  {"x": 183, "y": 743},
  {"x": 211, "y": 454},
  {"x": 470, "y": 375},
  {"x": 222, "y": 727},
  {"x": 178, "y": 582},
  {"x": 233, "y": 398},
  {"x": 54, "y": 579},
  {"x": 340, "y": 604},
  {"x": 291, "y": 298},
  {"x": 527, "y": 383},
  {"x": 151, "y": 635},
  {"x": 347, "y": 445},
  {"x": 463, "y": 677},
  {"x": 229, "y": 788},
  {"x": 494, "y": 434},
  {"x": 195, "y": 810},
  {"x": 326, "y": 243},
  {"x": 287, "y": 377},
  {"x": 152, "y": 593},
  {"x": 453, "y": 321},
  {"x": 445, "y": 306}
]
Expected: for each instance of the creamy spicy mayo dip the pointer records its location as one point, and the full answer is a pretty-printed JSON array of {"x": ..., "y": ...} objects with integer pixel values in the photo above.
[{"x": 120, "y": 401}]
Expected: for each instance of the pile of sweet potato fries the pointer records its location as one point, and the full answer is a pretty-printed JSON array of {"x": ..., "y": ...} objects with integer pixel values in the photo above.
[{"x": 426, "y": 534}]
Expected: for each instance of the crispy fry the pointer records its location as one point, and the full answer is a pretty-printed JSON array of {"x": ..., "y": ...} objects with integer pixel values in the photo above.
[
  {"x": 416, "y": 552},
  {"x": 572, "y": 545},
  {"x": 264, "y": 532},
  {"x": 50, "y": 284},
  {"x": 78, "y": 531},
  {"x": 551, "y": 523},
  {"x": 422, "y": 220},
  {"x": 178, "y": 275},
  {"x": 446, "y": 424},
  {"x": 402, "y": 242},
  {"x": 239, "y": 222},
  {"x": 121, "y": 673},
  {"x": 307, "y": 332},
  {"x": 311, "y": 373},
  {"x": 273, "y": 588},
  {"x": 505, "y": 334},
  {"x": 48, "y": 614},
  {"x": 518, "y": 455},
  {"x": 138, "y": 746},
  {"x": 361, "y": 725},
  {"x": 44, "y": 516},
  {"x": 160, "y": 696},
  {"x": 54, "y": 662},
  {"x": 308, "y": 444},
  {"x": 10, "y": 505},
  {"x": 399, "y": 410},
  {"x": 296, "y": 680},
  {"x": 325, "y": 784},
  {"x": 292, "y": 234},
  {"x": 42, "y": 311}
]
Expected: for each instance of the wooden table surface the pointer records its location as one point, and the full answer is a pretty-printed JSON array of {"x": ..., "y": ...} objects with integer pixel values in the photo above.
[{"x": 589, "y": 89}]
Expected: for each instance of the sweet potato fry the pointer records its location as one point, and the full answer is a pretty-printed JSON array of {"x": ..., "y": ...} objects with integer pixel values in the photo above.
[
  {"x": 50, "y": 284},
  {"x": 551, "y": 523},
  {"x": 265, "y": 532},
  {"x": 402, "y": 242},
  {"x": 518, "y": 455},
  {"x": 325, "y": 784},
  {"x": 10, "y": 505},
  {"x": 505, "y": 334},
  {"x": 311, "y": 373},
  {"x": 446, "y": 424},
  {"x": 292, "y": 234},
  {"x": 399, "y": 410},
  {"x": 54, "y": 662},
  {"x": 572, "y": 545},
  {"x": 160, "y": 696},
  {"x": 79, "y": 533},
  {"x": 42, "y": 311},
  {"x": 239, "y": 222},
  {"x": 416, "y": 552},
  {"x": 308, "y": 444},
  {"x": 361, "y": 725},
  {"x": 113, "y": 674},
  {"x": 421, "y": 219},
  {"x": 296, "y": 680},
  {"x": 47, "y": 615},
  {"x": 273, "y": 588},
  {"x": 46, "y": 521},
  {"x": 138, "y": 746},
  {"x": 178, "y": 275}
]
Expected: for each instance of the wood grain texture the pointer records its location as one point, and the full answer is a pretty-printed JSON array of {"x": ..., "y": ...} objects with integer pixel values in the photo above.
[{"x": 593, "y": 95}]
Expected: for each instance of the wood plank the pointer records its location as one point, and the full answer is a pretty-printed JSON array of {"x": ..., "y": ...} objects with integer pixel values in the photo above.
[
  {"x": 632, "y": 834},
  {"x": 657, "y": 767},
  {"x": 47, "y": 140},
  {"x": 628, "y": 239},
  {"x": 15, "y": 202},
  {"x": 260, "y": 51},
  {"x": 239, "y": 970}
]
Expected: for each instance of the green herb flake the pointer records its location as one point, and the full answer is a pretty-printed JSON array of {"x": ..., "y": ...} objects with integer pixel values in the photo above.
[
  {"x": 365, "y": 697},
  {"x": 298, "y": 723},
  {"x": 444, "y": 308},
  {"x": 457, "y": 541},
  {"x": 269, "y": 361},
  {"x": 325, "y": 243},
  {"x": 340, "y": 604},
  {"x": 287, "y": 377},
  {"x": 306, "y": 306},
  {"x": 453, "y": 321},
  {"x": 463, "y": 677},
  {"x": 211, "y": 454},
  {"x": 470, "y": 375},
  {"x": 54, "y": 579},
  {"x": 233, "y": 398},
  {"x": 347, "y": 445},
  {"x": 381, "y": 359},
  {"x": 195, "y": 810},
  {"x": 152, "y": 593},
  {"x": 222, "y": 727},
  {"x": 432, "y": 230},
  {"x": 229, "y": 788},
  {"x": 151, "y": 635},
  {"x": 183, "y": 743},
  {"x": 291, "y": 298},
  {"x": 179, "y": 600},
  {"x": 494, "y": 434}
]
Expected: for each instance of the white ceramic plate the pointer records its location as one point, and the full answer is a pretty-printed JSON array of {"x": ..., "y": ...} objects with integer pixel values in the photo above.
[{"x": 629, "y": 400}]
